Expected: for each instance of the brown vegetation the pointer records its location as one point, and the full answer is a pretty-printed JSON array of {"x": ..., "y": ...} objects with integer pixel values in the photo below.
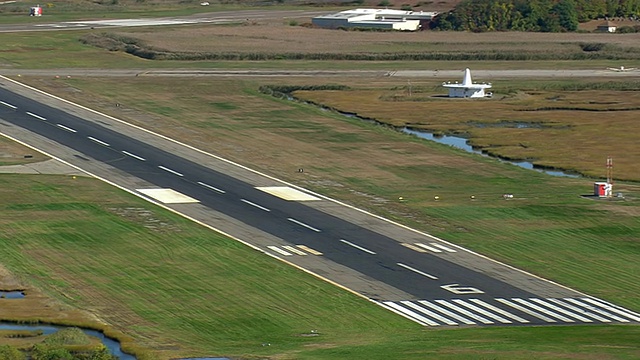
[{"x": 571, "y": 130}]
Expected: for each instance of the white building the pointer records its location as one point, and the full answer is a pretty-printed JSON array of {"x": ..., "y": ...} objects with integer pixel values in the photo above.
[
  {"x": 607, "y": 26},
  {"x": 467, "y": 89},
  {"x": 374, "y": 18}
]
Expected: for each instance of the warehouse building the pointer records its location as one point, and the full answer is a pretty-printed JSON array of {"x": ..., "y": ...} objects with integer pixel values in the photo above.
[{"x": 375, "y": 19}]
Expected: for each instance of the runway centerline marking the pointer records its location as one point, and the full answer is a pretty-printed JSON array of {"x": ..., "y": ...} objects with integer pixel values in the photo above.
[
  {"x": 133, "y": 155},
  {"x": 98, "y": 141},
  {"x": 169, "y": 170},
  {"x": 66, "y": 128},
  {"x": 36, "y": 116},
  {"x": 211, "y": 187},
  {"x": 303, "y": 224},
  {"x": 254, "y": 205},
  {"x": 8, "y": 105},
  {"x": 417, "y": 271},
  {"x": 357, "y": 247}
]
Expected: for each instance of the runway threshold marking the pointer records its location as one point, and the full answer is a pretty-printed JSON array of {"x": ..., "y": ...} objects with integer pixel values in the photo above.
[
  {"x": 288, "y": 250},
  {"x": 514, "y": 311}
]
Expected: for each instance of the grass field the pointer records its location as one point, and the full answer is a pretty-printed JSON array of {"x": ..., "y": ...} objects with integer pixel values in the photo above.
[{"x": 181, "y": 290}]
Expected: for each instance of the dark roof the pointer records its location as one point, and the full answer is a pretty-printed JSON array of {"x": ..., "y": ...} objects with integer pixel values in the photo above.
[{"x": 607, "y": 24}]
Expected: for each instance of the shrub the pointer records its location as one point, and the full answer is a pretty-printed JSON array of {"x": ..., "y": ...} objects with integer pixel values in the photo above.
[{"x": 589, "y": 47}]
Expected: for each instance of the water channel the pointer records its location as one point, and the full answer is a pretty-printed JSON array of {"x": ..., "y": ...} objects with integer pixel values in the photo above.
[
  {"x": 461, "y": 143},
  {"x": 111, "y": 344}
]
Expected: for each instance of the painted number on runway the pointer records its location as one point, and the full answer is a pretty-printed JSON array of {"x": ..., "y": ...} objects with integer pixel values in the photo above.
[{"x": 461, "y": 290}]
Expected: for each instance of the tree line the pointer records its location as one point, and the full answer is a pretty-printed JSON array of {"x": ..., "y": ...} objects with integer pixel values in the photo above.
[{"x": 532, "y": 15}]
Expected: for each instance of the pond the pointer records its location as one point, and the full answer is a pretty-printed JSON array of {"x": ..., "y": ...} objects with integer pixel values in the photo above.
[
  {"x": 18, "y": 294},
  {"x": 111, "y": 344}
]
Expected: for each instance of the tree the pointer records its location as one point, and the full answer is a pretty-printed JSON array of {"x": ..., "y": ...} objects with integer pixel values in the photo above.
[
  {"x": 567, "y": 14},
  {"x": 46, "y": 352}
]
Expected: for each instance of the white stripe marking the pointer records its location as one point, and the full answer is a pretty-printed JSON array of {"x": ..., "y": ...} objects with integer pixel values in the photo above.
[
  {"x": 411, "y": 313},
  {"x": 278, "y": 250},
  {"x": 429, "y": 313},
  {"x": 430, "y": 248},
  {"x": 481, "y": 311},
  {"x": 525, "y": 310},
  {"x": 464, "y": 312},
  {"x": 169, "y": 170},
  {"x": 98, "y": 141},
  {"x": 417, "y": 271},
  {"x": 36, "y": 116},
  {"x": 393, "y": 309},
  {"x": 254, "y": 204},
  {"x": 539, "y": 308},
  {"x": 581, "y": 311},
  {"x": 309, "y": 250},
  {"x": 443, "y": 247},
  {"x": 294, "y": 250},
  {"x": 499, "y": 311},
  {"x": 8, "y": 105},
  {"x": 414, "y": 248},
  {"x": 66, "y": 128},
  {"x": 211, "y": 187},
  {"x": 595, "y": 309},
  {"x": 446, "y": 312},
  {"x": 614, "y": 309},
  {"x": 357, "y": 247},
  {"x": 133, "y": 155},
  {"x": 561, "y": 310},
  {"x": 303, "y": 224}
]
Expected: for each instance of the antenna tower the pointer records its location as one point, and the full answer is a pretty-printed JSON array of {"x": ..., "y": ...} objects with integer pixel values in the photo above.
[{"x": 610, "y": 174}]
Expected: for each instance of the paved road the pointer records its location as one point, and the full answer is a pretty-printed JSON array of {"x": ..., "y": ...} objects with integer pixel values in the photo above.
[
  {"x": 221, "y": 17},
  {"x": 413, "y": 274},
  {"x": 449, "y": 75}
]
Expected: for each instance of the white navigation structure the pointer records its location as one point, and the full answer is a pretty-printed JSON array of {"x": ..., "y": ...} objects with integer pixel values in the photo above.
[
  {"x": 621, "y": 69},
  {"x": 468, "y": 89}
]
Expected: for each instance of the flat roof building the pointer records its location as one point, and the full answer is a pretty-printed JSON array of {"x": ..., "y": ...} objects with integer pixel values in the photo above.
[{"x": 374, "y": 18}]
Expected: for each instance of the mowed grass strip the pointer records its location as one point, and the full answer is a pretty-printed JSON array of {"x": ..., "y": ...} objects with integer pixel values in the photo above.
[{"x": 182, "y": 290}]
